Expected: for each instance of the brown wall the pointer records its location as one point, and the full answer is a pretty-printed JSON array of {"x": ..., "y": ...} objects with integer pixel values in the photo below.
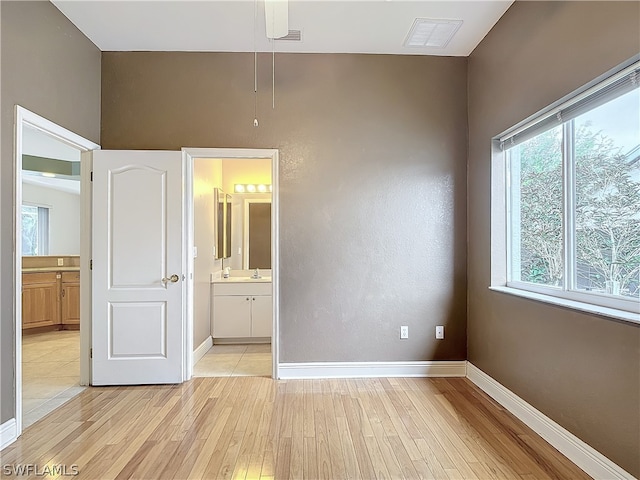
[
  {"x": 581, "y": 370},
  {"x": 52, "y": 69},
  {"x": 372, "y": 183}
]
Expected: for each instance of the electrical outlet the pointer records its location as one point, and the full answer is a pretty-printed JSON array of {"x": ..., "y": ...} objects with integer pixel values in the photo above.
[
  {"x": 404, "y": 331},
  {"x": 60, "y": 262},
  {"x": 440, "y": 332}
]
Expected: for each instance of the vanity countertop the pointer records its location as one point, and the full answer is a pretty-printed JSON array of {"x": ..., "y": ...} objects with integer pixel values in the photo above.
[{"x": 241, "y": 280}]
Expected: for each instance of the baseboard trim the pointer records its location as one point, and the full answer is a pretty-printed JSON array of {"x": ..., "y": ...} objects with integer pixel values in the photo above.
[
  {"x": 372, "y": 369},
  {"x": 204, "y": 347},
  {"x": 8, "y": 433},
  {"x": 584, "y": 456}
]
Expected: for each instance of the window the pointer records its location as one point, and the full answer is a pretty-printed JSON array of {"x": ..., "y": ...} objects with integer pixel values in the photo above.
[
  {"x": 570, "y": 180},
  {"x": 35, "y": 230}
]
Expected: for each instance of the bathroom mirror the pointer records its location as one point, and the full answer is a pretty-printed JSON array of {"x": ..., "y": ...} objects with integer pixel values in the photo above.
[
  {"x": 227, "y": 226},
  {"x": 257, "y": 233},
  {"x": 222, "y": 224}
]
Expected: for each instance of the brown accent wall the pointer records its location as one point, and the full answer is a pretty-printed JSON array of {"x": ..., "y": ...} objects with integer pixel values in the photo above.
[
  {"x": 372, "y": 183},
  {"x": 581, "y": 370},
  {"x": 52, "y": 69}
]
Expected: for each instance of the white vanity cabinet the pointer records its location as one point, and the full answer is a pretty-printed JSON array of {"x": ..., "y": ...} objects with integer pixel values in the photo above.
[{"x": 241, "y": 309}]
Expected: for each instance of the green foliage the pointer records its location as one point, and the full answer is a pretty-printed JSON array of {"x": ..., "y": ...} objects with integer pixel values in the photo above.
[
  {"x": 541, "y": 208},
  {"x": 607, "y": 212}
]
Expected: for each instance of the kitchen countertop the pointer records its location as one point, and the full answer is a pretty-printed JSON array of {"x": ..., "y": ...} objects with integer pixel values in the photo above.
[{"x": 50, "y": 269}]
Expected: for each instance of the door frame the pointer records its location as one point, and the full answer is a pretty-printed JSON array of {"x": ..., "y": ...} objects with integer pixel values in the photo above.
[
  {"x": 233, "y": 153},
  {"x": 23, "y": 118}
]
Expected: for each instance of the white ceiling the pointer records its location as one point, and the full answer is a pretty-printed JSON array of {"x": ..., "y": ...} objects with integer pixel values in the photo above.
[{"x": 328, "y": 26}]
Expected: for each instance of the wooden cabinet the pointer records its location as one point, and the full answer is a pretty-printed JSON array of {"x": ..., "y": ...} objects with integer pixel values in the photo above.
[
  {"x": 40, "y": 299},
  {"x": 70, "y": 298},
  {"x": 50, "y": 299},
  {"x": 241, "y": 310}
]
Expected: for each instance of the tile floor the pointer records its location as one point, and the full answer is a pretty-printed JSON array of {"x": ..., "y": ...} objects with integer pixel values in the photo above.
[
  {"x": 50, "y": 372},
  {"x": 235, "y": 360}
]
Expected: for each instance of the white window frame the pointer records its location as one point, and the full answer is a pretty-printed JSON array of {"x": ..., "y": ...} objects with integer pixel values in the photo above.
[{"x": 621, "y": 308}]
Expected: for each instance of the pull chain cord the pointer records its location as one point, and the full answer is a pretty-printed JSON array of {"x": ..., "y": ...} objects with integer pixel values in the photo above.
[{"x": 255, "y": 66}]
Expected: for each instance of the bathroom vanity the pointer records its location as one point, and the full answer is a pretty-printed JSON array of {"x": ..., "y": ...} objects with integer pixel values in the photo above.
[{"x": 241, "y": 309}]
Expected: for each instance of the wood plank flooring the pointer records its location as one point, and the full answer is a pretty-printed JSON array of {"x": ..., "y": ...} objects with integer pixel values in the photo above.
[{"x": 258, "y": 428}]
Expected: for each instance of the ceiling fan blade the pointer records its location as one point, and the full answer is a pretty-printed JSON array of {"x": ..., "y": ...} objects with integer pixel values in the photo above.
[{"x": 276, "y": 18}]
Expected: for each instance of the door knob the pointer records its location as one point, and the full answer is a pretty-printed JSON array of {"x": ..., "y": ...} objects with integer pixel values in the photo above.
[{"x": 173, "y": 279}]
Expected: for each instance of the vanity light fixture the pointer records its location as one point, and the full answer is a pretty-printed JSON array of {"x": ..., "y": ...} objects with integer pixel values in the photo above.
[{"x": 251, "y": 188}]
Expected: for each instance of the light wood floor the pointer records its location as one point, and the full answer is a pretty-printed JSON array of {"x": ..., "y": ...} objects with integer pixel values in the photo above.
[{"x": 254, "y": 427}]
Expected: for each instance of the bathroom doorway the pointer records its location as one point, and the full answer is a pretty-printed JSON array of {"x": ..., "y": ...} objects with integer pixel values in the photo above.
[{"x": 234, "y": 332}]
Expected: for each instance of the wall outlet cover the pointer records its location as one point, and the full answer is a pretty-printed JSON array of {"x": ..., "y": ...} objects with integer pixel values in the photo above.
[{"x": 404, "y": 331}]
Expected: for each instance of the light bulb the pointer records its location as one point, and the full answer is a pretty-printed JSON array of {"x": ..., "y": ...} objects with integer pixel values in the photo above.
[
  {"x": 239, "y": 188},
  {"x": 255, "y": 122},
  {"x": 251, "y": 188},
  {"x": 262, "y": 188}
]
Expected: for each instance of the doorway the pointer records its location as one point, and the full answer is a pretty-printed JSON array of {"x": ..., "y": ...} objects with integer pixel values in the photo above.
[
  {"x": 51, "y": 291},
  {"x": 201, "y": 285}
]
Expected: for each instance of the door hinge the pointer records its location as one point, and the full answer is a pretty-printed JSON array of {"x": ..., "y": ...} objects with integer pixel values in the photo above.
[
  {"x": 91, "y": 176},
  {"x": 91, "y": 353},
  {"x": 91, "y": 264}
]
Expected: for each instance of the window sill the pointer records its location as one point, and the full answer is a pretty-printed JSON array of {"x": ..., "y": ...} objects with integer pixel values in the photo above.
[{"x": 630, "y": 317}]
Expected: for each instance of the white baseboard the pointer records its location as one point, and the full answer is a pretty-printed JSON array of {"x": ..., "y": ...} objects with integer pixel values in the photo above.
[
  {"x": 8, "y": 433},
  {"x": 372, "y": 369},
  {"x": 204, "y": 347},
  {"x": 584, "y": 456}
]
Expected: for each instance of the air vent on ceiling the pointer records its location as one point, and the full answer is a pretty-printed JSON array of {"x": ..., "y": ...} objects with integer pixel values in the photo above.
[
  {"x": 293, "y": 36},
  {"x": 428, "y": 32}
]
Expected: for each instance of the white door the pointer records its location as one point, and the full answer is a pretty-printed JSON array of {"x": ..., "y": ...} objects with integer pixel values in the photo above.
[{"x": 137, "y": 284}]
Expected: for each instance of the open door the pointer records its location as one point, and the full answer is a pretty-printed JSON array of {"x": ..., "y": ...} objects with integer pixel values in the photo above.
[{"x": 138, "y": 267}]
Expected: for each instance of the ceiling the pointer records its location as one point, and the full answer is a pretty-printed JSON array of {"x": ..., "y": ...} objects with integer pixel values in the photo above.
[{"x": 328, "y": 26}]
